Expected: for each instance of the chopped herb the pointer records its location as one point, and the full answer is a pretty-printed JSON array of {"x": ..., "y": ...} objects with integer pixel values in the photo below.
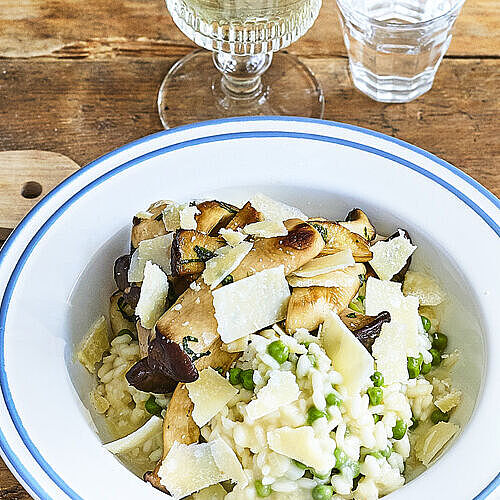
[
  {"x": 227, "y": 280},
  {"x": 227, "y": 207},
  {"x": 153, "y": 407},
  {"x": 351, "y": 315},
  {"x": 362, "y": 279},
  {"x": 194, "y": 355},
  {"x": 159, "y": 217},
  {"x": 426, "y": 323},
  {"x": 203, "y": 253},
  {"x": 357, "y": 305},
  {"x": 127, "y": 312},
  {"x": 220, "y": 370},
  {"x": 321, "y": 230},
  {"x": 365, "y": 231}
]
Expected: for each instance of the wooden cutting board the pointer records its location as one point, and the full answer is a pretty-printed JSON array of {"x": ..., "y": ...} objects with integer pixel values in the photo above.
[{"x": 25, "y": 178}]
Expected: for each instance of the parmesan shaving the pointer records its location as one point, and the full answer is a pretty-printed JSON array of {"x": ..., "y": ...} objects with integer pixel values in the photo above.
[
  {"x": 281, "y": 389},
  {"x": 180, "y": 216},
  {"x": 424, "y": 287},
  {"x": 209, "y": 394},
  {"x": 389, "y": 257},
  {"x": 349, "y": 357},
  {"x": 275, "y": 210},
  {"x": 236, "y": 304},
  {"x": 226, "y": 260},
  {"x": 341, "y": 278},
  {"x": 431, "y": 443},
  {"x": 449, "y": 401},
  {"x": 302, "y": 445},
  {"x": 232, "y": 237},
  {"x": 149, "y": 429},
  {"x": 190, "y": 468},
  {"x": 157, "y": 250},
  {"x": 323, "y": 265},
  {"x": 266, "y": 229},
  {"x": 389, "y": 351},
  {"x": 153, "y": 295}
]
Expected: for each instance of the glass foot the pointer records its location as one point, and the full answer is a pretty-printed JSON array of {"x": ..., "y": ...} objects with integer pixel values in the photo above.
[{"x": 192, "y": 91}]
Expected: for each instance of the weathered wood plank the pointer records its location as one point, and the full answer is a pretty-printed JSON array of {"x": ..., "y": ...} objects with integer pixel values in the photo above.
[
  {"x": 10, "y": 489},
  {"x": 104, "y": 29},
  {"x": 85, "y": 108}
]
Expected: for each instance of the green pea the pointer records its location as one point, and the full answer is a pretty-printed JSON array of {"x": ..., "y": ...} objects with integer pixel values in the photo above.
[
  {"x": 414, "y": 365},
  {"x": 399, "y": 430},
  {"x": 387, "y": 452},
  {"x": 414, "y": 425},
  {"x": 340, "y": 458},
  {"x": 247, "y": 379},
  {"x": 376, "y": 395},
  {"x": 278, "y": 351},
  {"x": 376, "y": 418},
  {"x": 426, "y": 368},
  {"x": 235, "y": 376},
  {"x": 153, "y": 407},
  {"x": 322, "y": 492},
  {"x": 313, "y": 414},
  {"x": 263, "y": 490},
  {"x": 436, "y": 357},
  {"x": 439, "y": 416},
  {"x": 376, "y": 454},
  {"x": 378, "y": 379},
  {"x": 426, "y": 323},
  {"x": 439, "y": 341},
  {"x": 300, "y": 465},
  {"x": 333, "y": 400}
]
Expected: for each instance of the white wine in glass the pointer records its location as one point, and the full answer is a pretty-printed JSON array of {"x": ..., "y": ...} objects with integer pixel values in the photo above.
[{"x": 235, "y": 77}]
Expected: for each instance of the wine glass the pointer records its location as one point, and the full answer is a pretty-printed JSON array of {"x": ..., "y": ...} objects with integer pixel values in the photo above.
[{"x": 234, "y": 77}]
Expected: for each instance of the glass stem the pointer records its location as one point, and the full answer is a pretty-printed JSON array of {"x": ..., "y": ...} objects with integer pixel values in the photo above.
[{"x": 241, "y": 74}]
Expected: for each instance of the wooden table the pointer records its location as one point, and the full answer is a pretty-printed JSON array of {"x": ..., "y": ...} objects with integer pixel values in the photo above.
[{"x": 81, "y": 78}]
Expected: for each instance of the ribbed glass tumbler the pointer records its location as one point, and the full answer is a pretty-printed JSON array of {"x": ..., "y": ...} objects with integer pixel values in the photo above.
[{"x": 395, "y": 47}]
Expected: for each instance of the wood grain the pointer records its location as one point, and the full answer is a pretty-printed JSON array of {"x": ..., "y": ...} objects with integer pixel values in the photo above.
[
  {"x": 97, "y": 29},
  {"x": 18, "y": 170},
  {"x": 10, "y": 489},
  {"x": 86, "y": 108}
]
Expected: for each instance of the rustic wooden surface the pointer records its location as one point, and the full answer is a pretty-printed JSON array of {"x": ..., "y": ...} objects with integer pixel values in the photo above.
[{"x": 80, "y": 78}]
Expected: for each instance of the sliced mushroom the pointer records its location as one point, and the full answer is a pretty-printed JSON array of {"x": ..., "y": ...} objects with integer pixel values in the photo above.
[
  {"x": 365, "y": 328},
  {"x": 144, "y": 378},
  {"x": 193, "y": 314},
  {"x": 247, "y": 215},
  {"x": 308, "y": 307},
  {"x": 191, "y": 249},
  {"x": 214, "y": 215},
  {"x": 145, "y": 229},
  {"x": 339, "y": 238},
  {"x": 178, "y": 424},
  {"x": 120, "y": 272},
  {"x": 357, "y": 222},
  {"x": 143, "y": 336},
  {"x": 400, "y": 276}
]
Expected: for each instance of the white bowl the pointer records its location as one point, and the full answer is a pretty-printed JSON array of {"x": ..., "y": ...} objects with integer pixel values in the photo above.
[{"x": 56, "y": 277}]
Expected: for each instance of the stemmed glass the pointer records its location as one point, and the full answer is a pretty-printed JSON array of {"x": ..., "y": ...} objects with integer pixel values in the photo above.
[{"x": 234, "y": 77}]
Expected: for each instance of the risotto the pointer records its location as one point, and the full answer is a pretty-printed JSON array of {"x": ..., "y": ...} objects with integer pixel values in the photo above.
[{"x": 257, "y": 352}]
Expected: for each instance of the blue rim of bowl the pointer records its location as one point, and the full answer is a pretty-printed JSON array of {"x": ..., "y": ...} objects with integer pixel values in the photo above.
[{"x": 8, "y": 452}]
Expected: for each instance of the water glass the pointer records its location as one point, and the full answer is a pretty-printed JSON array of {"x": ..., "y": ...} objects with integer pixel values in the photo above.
[{"x": 395, "y": 47}]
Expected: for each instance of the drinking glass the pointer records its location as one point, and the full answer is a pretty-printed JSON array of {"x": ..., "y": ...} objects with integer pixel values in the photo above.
[
  {"x": 235, "y": 76},
  {"x": 395, "y": 46}
]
